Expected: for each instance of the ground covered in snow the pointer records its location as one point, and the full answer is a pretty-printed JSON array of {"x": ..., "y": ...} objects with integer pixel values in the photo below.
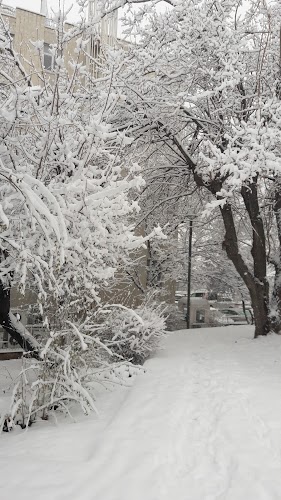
[{"x": 203, "y": 423}]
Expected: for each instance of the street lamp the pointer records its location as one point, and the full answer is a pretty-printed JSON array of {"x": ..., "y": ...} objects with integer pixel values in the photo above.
[{"x": 191, "y": 217}]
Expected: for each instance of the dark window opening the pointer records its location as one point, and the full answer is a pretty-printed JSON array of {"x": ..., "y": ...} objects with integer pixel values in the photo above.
[{"x": 200, "y": 316}]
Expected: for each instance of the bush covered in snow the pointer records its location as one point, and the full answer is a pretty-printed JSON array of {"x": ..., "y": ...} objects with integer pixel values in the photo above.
[
  {"x": 78, "y": 358},
  {"x": 174, "y": 318},
  {"x": 74, "y": 364},
  {"x": 132, "y": 334}
]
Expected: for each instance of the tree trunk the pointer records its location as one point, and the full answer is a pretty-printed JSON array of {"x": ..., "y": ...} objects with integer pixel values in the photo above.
[
  {"x": 245, "y": 312},
  {"x": 15, "y": 328},
  {"x": 275, "y": 313},
  {"x": 276, "y": 294},
  {"x": 256, "y": 281},
  {"x": 259, "y": 299}
]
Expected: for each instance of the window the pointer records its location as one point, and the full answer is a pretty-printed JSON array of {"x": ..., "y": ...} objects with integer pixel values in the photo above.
[
  {"x": 230, "y": 312},
  {"x": 49, "y": 56},
  {"x": 95, "y": 48},
  {"x": 200, "y": 316},
  {"x": 200, "y": 295},
  {"x": 9, "y": 44}
]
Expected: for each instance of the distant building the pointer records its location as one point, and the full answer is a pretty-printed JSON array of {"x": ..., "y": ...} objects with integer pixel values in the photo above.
[
  {"x": 27, "y": 27},
  {"x": 199, "y": 311}
]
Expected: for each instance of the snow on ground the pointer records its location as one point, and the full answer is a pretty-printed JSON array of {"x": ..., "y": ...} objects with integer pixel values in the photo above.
[{"x": 203, "y": 423}]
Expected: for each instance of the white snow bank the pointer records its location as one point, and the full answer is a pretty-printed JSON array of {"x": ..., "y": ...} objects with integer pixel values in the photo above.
[{"x": 203, "y": 423}]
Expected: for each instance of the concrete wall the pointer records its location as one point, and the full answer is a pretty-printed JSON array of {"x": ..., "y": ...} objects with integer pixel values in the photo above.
[
  {"x": 27, "y": 27},
  {"x": 196, "y": 306}
]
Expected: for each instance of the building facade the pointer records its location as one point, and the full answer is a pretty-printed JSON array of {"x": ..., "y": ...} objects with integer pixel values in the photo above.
[{"x": 27, "y": 28}]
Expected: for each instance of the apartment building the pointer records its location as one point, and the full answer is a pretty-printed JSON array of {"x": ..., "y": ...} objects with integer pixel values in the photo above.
[{"x": 27, "y": 27}]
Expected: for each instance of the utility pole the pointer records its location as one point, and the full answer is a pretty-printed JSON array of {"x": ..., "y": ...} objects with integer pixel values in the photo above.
[{"x": 189, "y": 275}]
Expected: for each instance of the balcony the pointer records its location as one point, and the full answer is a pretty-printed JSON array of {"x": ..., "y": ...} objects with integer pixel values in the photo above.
[{"x": 6, "y": 10}]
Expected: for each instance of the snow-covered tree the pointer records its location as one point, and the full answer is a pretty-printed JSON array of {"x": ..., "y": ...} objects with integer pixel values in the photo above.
[
  {"x": 65, "y": 210},
  {"x": 203, "y": 83}
]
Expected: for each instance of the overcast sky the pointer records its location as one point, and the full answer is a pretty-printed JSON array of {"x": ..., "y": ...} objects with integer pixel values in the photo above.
[{"x": 34, "y": 5}]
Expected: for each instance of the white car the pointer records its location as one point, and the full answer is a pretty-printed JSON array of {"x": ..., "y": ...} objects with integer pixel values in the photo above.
[{"x": 236, "y": 316}]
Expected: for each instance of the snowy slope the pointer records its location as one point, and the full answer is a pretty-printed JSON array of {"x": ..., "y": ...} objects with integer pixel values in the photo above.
[{"x": 203, "y": 423}]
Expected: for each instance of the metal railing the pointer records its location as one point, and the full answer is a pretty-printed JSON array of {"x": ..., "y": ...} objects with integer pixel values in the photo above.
[
  {"x": 49, "y": 23},
  {"x": 7, "y": 344},
  {"x": 9, "y": 11}
]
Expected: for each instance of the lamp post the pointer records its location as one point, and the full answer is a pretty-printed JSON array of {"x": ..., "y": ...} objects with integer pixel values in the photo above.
[{"x": 189, "y": 273}]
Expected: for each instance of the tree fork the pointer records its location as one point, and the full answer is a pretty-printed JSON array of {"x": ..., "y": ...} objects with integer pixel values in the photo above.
[
  {"x": 19, "y": 334},
  {"x": 258, "y": 289},
  {"x": 255, "y": 282}
]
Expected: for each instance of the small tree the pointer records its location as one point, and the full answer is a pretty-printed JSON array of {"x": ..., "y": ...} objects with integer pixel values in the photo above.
[{"x": 65, "y": 208}]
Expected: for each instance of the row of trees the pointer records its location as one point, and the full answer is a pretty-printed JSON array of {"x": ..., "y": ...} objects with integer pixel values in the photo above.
[
  {"x": 197, "y": 103},
  {"x": 203, "y": 101},
  {"x": 194, "y": 108}
]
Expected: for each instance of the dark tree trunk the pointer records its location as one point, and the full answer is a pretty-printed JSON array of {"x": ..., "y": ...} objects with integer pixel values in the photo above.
[
  {"x": 14, "y": 328},
  {"x": 259, "y": 299},
  {"x": 276, "y": 294},
  {"x": 245, "y": 313},
  {"x": 275, "y": 314},
  {"x": 260, "y": 290},
  {"x": 148, "y": 264},
  {"x": 255, "y": 281}
]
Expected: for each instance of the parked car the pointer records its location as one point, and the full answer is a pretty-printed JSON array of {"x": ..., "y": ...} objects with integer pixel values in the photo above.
[
  {"x": 236, "y": 316},
  {"x": 179, "y": 295}
]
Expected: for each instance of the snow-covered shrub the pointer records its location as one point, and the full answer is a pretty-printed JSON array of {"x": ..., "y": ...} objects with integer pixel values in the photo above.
[
  {"x": 73, "y": 366},
  {"x": 67, "y": 210},
  {"x": 67, "y": 195},
  {"x": 217, "y": 318},
  {"x": 174, "y": 318},
  {"x": 132, "y": 334}
]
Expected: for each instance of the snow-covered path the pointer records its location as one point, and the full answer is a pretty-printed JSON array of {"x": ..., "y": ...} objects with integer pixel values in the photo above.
[{"x": 203, "y": 423}]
